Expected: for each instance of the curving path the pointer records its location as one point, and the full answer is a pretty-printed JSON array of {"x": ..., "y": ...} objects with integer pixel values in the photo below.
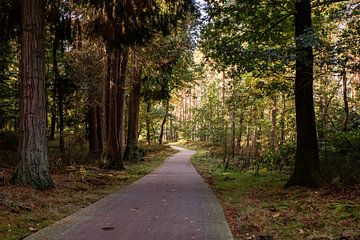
[{"x": 171, "y": 203}]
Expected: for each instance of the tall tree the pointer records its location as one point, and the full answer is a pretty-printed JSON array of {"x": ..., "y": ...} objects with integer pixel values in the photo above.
[
  {"x": 307, "y": 165},
  {"x": 122, "y": 24},
  {"x": 132, "y": 151},
  {"x": 33, "y": 167}
]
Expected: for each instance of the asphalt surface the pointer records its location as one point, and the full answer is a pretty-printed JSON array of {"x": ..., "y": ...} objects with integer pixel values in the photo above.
[{"x": 171, "y": 203}]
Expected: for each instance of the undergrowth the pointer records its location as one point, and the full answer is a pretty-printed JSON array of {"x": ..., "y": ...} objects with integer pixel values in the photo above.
[{"x": 257, "y": 206}]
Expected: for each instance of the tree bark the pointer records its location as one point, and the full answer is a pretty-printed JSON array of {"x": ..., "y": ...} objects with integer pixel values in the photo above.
[
  {"x": 132, "y": 151},
  {"x": 100, "y": 127},
  {"x": 33, "y": 168},
  {"x": 58, "y": 83},
  {"x": 148, "y": 111},
  {"x": 163, "y": 122},
  {"x": 53, "y": 121},
  {"x": 232, "y": 119},
  {"x": 282, "y": 120},
  {"x": 93, "y": 140},
  {"x": 273, "y": 125},
  {"x": 121, "y": 94},
  {"x": 114, "y": 154},
  {"x": 307, "y": 166},
  {"x": 61, "y": 120},
  {"x": 105, "y": 105},
  {"x": 346, "y": 102},
  {"x": 238, "y": 143}
]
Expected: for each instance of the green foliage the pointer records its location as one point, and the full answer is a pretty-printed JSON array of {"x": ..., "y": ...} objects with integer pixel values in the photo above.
[
  {"x": 249, "y": 36},
  {"x": 251, "y": 47}
]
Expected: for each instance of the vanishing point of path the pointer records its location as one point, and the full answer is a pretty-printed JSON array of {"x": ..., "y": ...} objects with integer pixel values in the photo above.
[{"x": 171, "y": 203}]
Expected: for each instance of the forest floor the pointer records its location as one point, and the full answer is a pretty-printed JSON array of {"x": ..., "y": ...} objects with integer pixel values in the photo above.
[
  {"x": 257, "y": 206},
  {"x": 24, "y": 210}
]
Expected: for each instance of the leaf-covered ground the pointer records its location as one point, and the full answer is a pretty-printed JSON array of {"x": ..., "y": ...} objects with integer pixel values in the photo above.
[
  {"x": 24, "y": 210},
  {"x": 258, "y": 207}
]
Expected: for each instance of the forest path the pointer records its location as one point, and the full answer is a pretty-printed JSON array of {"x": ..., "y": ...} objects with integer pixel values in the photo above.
[{"x": 171, "y": 203}]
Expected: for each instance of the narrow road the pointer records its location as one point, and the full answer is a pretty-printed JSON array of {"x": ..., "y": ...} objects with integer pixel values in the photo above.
[{"x": 171, "y": 203}]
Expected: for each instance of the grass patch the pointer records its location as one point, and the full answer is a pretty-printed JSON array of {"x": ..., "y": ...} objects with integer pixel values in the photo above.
[
  {"x": 258, "y": 207},
  {"x": 25, "y": 210}
]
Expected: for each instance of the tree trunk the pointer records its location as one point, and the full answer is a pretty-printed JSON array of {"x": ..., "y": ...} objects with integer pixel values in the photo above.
[
  {"x": 307, "y": 166},
  {"x": 248, "y": 138},
  {"x": 53, "y": 120},
  {"x": 346, "y": 103},
  {"x": 33, "y": 168},
  {"x": 58, "y": 82},
  {"x": 100, "y": 128},
  {"x": 61, "y": 121},
  {"x": 132, "y": 151},
  {"x": 148, "y": 111},
  {"x": 282, "y": 120},
  {"x": 55, "y": 47},
  {"x": 163, "y": 122},
  {"x": 238, "y": 143},
  {"x": 93, "y": 140},
  {"x": 114, "y": 154},
  {"x": 273, "y": 125},
  {"x": 105, "y": 106},
  {"x": 121, "y": 94},
  {"x": 232, "y": 119}
]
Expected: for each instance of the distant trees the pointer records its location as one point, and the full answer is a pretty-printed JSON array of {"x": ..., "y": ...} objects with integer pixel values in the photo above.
[{"x": 264, "y": 47}]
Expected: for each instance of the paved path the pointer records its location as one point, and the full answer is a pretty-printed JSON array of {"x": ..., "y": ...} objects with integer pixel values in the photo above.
[{"x": 171, "y": 203}]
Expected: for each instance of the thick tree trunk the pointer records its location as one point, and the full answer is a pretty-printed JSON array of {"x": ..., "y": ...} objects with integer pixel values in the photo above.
[
  {"x": 132, "y": 151},
  {"x": 121, "y": 94},
  {"x": 163, "y": 123},
  {"x": 307, "y": 166},
  {"x": 114, "y": 154},
  {"x": 33, "y": 168}
]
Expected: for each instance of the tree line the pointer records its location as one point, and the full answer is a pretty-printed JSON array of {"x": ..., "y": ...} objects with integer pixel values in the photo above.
[
  {"x": 280, "y": 88},
  {"x": 89, "y": 68}
]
